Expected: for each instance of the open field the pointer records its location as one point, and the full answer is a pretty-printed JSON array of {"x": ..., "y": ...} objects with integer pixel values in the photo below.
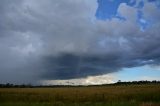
[{"x": 111, "y": 95}]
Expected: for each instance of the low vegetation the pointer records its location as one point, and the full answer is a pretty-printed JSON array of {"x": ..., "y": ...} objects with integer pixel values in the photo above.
[{"x": 106, "y": 95}]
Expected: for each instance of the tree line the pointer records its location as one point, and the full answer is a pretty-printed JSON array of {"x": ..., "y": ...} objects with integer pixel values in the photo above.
[{"x": 119, "y": 82}]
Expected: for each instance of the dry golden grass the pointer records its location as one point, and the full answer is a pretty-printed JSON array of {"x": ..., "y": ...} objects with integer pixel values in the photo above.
[
  {"x": 141, "y": 94},
  {"x": 149, "y": 104}
]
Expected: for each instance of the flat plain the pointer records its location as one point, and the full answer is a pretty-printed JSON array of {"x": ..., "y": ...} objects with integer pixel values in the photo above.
[{"x": 109, "y": 95}]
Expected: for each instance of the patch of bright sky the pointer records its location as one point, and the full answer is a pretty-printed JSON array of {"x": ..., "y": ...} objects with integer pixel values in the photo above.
[
  {"x": 107, "y": 9},
  {"x": 139, "y": 73}
]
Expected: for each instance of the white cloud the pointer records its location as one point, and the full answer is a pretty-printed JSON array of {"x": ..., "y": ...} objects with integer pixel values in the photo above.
[
  {"x": 91, "y": 80},
  {"x": 130, "y": 13}
]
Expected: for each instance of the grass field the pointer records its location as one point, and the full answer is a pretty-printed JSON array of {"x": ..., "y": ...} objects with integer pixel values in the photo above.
[{"x": 113, "y": 95}]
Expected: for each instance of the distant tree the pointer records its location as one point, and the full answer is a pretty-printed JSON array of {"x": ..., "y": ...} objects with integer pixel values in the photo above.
[{"x": 119, "y": 81}]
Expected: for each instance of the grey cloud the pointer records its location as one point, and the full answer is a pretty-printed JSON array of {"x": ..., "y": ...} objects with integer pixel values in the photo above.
[{"x": 59, "y": 39}]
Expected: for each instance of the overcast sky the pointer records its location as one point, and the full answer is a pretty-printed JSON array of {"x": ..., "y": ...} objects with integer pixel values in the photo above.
[{"x": 79, "y": 40}]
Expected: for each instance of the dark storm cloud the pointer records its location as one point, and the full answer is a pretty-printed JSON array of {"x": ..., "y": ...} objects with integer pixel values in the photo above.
[
  {"x": 67, "y": 66},
  {"x": 61, "y": 39}
]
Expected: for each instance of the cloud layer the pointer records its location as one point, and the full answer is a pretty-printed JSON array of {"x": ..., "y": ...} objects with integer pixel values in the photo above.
[{"x": 62, "y": 39}]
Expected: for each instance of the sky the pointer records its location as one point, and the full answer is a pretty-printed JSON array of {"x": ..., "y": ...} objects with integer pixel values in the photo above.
[{"x": 79, "y": 41}]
